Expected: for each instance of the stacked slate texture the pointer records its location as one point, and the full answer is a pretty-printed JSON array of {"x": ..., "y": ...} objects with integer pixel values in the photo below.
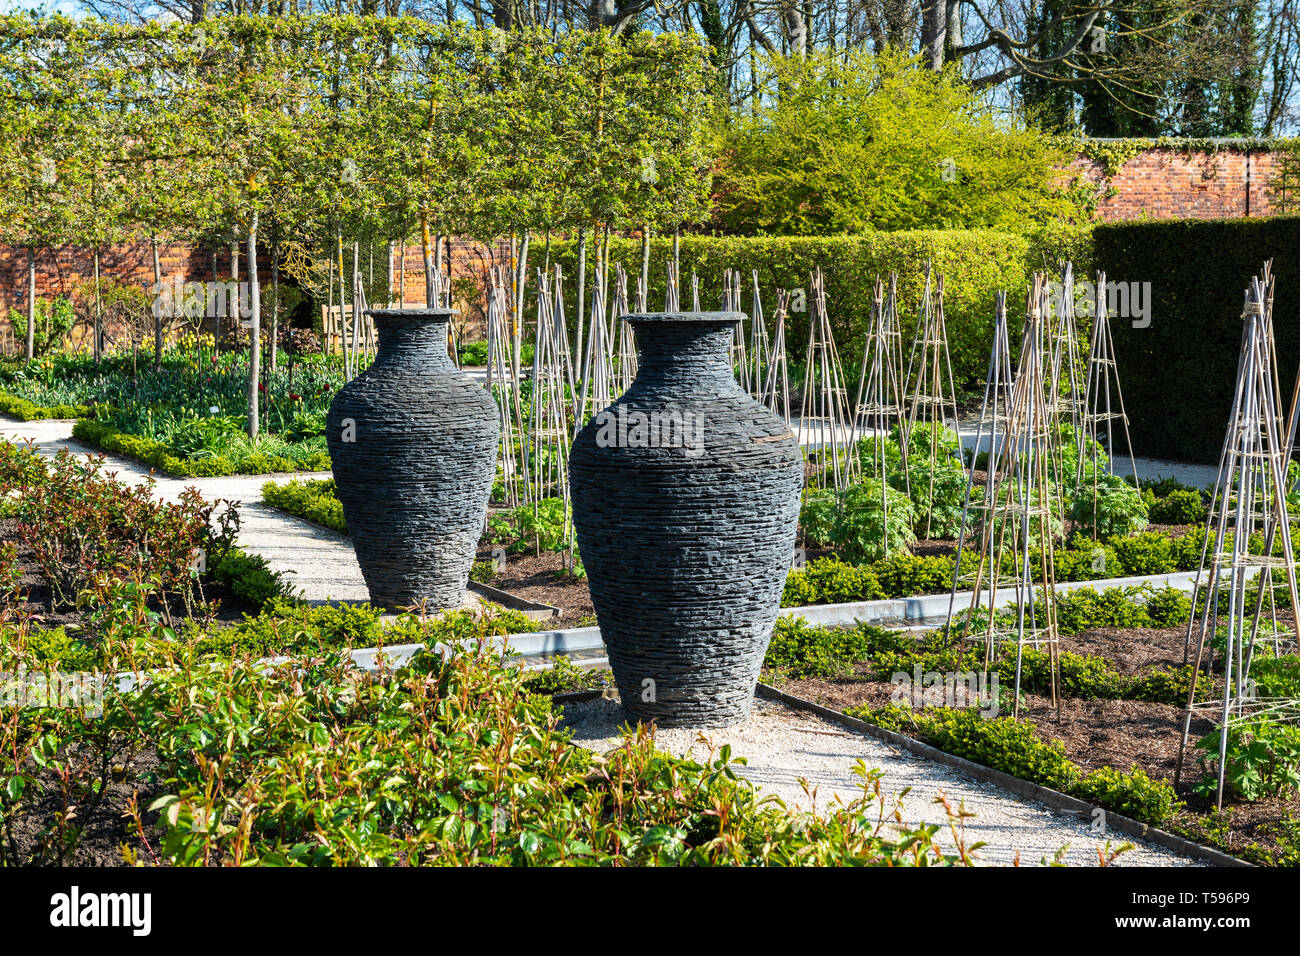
[
  {"x": 415, "y": 482},
  {"x": 686, "y": 556}
]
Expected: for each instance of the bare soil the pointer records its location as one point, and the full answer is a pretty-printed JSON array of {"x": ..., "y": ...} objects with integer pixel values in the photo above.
[
  {"x": 535, "y": 578},
  {"x": 39, "y": 599},
  {"x": 1113, "y": 733}
]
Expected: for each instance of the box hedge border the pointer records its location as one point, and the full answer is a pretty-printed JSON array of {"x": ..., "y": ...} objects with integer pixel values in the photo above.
[{"x": 159, "y": 456}]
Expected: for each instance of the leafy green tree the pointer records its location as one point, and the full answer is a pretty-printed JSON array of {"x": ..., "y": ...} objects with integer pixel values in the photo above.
[{"x": 854, "y": 142}]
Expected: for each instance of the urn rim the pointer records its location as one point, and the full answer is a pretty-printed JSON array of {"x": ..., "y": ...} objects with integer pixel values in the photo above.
[
  {"x": 703, "y": 318},
  {"x": 406, "y": 316}
]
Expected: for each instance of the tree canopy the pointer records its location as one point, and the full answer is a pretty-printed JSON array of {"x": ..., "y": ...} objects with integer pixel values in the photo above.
[{"x": 849, "y": 142}]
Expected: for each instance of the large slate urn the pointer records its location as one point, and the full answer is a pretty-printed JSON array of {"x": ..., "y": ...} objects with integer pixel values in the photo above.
[
  {"x": 414, "y": 447},
  {"x": 686, "y": 504}
]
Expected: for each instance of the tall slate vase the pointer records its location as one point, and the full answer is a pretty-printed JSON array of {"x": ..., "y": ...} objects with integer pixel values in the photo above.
[
  {"x": 414, "y": 447},
  {"x": 686, "y": 504}
]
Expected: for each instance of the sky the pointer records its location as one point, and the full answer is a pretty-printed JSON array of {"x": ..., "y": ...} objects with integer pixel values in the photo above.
[{"x": 14, "y": 6}]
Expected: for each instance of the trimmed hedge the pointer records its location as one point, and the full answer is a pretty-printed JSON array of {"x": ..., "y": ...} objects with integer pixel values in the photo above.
[
  {"x": 1012, "y": 746},
  {"x": 158, "y": 455},
  {"x": 21, "y": 408},
  {"x": 1178, "y": 374},
  {"x": 975, "y": 263},
  {"x": 312, "y": 500}
]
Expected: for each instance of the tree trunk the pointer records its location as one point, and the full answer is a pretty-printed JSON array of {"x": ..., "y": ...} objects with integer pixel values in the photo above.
[
  {"x": 521, "y": 275},
  {"x": 254, "y": 333},
  {"x": 582, "y": 286},
  {"x": 426, "y": 246},
  {"x": 98, "y": 335},
  {"x": 30, "y": 350},
  {"x": 232, "y": 308},
  {"x": 645, "y": 260},
  {"x": 275, "y": 297},
  {"x": 934, "y": 22},
  {"x": 796, "y": 27},
  {"x": 401, "y": 278},
  {"x": 439, "y": 277},
  {"x": 952, "y": 23},
  {"x": 157, "y": 312},
  {"x": 388, "y": 274}
]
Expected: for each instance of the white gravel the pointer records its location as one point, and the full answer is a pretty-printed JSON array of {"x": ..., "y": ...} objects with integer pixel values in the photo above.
[{"x": 783, "y": 745}]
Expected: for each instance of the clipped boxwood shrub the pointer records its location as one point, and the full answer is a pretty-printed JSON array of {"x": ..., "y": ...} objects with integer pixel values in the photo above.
[
  {"x": 159, "y": 456},
  {"x": 305, "y": 498},
  {"x": 1012, "y": 747},
  {"x": 1182, "y": 506},
  {"x": 22, "y": 409}
]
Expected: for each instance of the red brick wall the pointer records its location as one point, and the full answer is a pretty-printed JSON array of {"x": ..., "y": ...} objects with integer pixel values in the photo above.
[
  {"x": 64, "y": 270},
  {"x": 1170, "y": 184}
]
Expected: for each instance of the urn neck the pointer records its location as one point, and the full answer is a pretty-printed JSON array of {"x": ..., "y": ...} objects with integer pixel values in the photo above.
[
  {"x": 691, "y": 351},
  {"x": 413, "y": 337}
]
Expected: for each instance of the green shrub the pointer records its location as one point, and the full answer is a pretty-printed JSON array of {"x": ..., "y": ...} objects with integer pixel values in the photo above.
[
  {"x": 1178, "y": 507},
  {"x": 831, "y": 149},
  {"x": 1084, "y": 560},
  {"x": 904, "y": 574},
  {"x": 310, "y": 499},
  {"x": 160, "y": 456},
  {"x": 484, "y": 572},
  {"x": 1180, "y": 368},
  {"x": 1012, "y": 747},
  {"x": 1085, "y": 609},
  {"x": 22, "y": 409},
  {"x": 1108, "y": 506},
  {"x": 1133, "y": 794},
  {"x": 1150, "y": 552},
  {"x": 1169, "y": 607},
  {"x": 1002, "y": 743},
  {"x": 829, "y": 581},
  {"x": 800, "y": 650},
  {"x": 249, "y": 577}
]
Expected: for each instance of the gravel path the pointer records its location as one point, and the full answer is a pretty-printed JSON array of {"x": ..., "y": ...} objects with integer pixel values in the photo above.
[{"x": 782, "y": 745}]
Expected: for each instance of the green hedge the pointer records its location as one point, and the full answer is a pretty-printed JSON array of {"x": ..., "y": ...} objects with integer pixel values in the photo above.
[
  {"x": 22, "y": 409},
  {"x": 313, "y": 500},
  {"x": 975, "y": 264},
  {"x": 1178, "y": 374},
  {"x": 1012, "y": 746},
  {"x": 158, "y": 455}
]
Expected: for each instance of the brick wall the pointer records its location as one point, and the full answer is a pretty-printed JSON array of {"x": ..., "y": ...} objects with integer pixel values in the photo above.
[
  {"x": 65, "y": 270},
  {"x": 1170, "y": 184}
]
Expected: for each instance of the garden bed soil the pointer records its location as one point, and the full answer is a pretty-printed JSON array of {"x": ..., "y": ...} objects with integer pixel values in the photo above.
[
  {"x": 534, "y": 578},
  {"x": 108, "y": 829},
  {"x": 39, "y": 603},
  {"x": 1107, "y": 733}
]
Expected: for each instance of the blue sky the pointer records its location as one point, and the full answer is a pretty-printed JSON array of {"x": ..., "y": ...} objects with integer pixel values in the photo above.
[{"x": 13, "y": 6}]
